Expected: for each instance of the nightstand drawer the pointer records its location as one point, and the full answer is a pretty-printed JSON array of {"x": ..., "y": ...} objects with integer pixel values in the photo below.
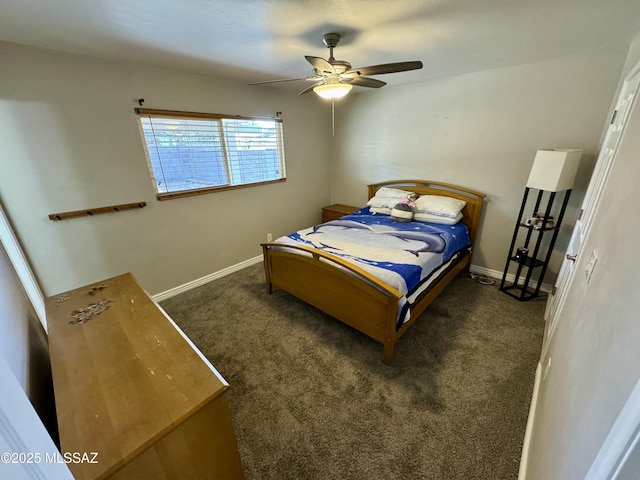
[{"x": 336, "y": 211}]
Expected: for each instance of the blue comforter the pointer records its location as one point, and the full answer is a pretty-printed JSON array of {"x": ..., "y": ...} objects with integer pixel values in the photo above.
[{"x": 405, "y": 255}]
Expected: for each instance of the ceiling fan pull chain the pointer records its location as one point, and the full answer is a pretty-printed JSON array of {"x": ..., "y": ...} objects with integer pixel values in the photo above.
[{"x": 333, "y": 118}]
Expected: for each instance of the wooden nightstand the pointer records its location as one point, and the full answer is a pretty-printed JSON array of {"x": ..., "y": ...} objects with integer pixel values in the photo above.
[{"x": 336, "y": 211}]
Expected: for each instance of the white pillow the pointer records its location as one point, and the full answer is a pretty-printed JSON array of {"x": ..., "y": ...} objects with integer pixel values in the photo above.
[
  {"x": 381, "y": 202},
  {"x": 388, "y": 192},
  {"x": 388, "y": 197},
  {"x": 427, "y": 217},
  {"x": 439, "y": 205},
  {"x": 380, "y": 210}
]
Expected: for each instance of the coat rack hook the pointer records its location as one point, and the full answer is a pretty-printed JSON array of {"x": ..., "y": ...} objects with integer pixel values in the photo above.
[{"x": 140, "y": 101}]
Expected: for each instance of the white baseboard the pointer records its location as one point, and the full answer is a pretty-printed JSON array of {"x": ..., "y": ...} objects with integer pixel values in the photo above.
[
  {"x": 206, "y": 279},
  {"x": 495, "y": 274},
  {"x": 522, "y": 473}
]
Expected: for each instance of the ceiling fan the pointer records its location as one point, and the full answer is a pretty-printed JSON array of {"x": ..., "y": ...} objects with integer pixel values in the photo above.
[{"x": 335, "y": 78}]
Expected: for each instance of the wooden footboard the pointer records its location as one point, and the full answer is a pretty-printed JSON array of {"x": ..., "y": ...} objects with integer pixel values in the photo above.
[
  {"x": 336, "y": 287},
  {"x": 351, "y": 294}
]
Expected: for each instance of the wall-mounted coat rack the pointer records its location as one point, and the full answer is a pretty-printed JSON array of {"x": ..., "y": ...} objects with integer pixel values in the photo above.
[{"x": 96, "y": 211}]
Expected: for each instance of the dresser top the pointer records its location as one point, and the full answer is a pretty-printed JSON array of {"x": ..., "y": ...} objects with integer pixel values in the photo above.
[{"x": 124, "y": 374}]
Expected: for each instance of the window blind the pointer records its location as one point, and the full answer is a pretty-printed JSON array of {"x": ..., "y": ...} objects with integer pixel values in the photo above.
[{"x": 191, "y": 153}]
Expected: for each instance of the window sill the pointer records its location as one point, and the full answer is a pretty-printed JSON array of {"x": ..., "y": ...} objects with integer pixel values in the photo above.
[{"x": 204, "y": 191}]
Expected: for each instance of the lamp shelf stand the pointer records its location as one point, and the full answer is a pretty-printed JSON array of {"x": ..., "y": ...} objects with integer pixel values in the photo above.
[
  {"x": 553, "y": 171},
  {"x": 521, "y": 286}
]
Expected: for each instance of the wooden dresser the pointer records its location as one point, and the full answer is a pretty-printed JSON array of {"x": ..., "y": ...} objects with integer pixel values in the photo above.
[
  {"x": 131, "y": 387},
  {"x": 336, "y": 211}
]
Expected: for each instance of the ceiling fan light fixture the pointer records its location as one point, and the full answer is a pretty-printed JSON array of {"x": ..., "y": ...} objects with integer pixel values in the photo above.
[{"x": 332, "y": 91}]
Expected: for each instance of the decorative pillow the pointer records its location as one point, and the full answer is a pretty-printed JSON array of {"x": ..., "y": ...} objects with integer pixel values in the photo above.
[
  {"x": 439, "y": 205},
  {"x": 427, "y": 217},
  {"x": 402, "y": 212}
]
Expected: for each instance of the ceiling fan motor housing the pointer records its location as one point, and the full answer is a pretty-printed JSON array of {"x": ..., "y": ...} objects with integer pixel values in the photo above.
[
  {"x": 340, "y": 65},
  {"x": 331, "y": 39}
]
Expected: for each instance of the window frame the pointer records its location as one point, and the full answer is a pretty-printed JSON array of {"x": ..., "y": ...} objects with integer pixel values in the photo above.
[{"x": 148, "y": 112}]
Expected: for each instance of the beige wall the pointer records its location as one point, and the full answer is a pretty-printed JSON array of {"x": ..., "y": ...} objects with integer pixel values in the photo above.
[
  {"x": 69, "y": 141},
  {"x": 480, "y": 130}
]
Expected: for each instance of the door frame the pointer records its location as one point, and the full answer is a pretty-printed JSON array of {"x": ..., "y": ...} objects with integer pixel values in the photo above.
[{"x": 22, "y": 268}]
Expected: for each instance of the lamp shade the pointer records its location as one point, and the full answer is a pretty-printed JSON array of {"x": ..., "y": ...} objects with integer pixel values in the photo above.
[
  {"x": 333, "y": 90},
  {"x": 554, "y": 170}
]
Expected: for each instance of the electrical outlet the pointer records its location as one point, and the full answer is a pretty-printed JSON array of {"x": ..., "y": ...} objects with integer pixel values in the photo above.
[{"x": 269, "y": 237}]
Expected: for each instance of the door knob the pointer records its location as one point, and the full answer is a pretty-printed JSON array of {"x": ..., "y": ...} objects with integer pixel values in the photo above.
[{"x": 572, "y": 257}]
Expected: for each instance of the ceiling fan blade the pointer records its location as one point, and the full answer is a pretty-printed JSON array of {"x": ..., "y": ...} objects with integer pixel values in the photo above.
[
  {"x": 309, "y": 89},
  {"x": 320, "y": 64},
  {"x": 386, "y": 68},
  {"x": 364, "y": 82},
  {"x": 283, "y": 80}
]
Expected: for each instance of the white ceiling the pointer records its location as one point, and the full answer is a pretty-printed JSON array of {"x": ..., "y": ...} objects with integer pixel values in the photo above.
[{"x": 253, "y": 40}]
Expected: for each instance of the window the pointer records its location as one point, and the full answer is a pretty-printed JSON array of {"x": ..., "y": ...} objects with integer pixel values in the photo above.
[{"x": 193, "y": 153}]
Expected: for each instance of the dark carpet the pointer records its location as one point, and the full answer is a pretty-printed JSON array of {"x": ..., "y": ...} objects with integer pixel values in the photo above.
[{"x": 311, "y": 399}]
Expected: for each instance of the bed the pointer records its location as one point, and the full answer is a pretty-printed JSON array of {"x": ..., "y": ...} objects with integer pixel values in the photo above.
[{"x": 317, "y": 266}]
